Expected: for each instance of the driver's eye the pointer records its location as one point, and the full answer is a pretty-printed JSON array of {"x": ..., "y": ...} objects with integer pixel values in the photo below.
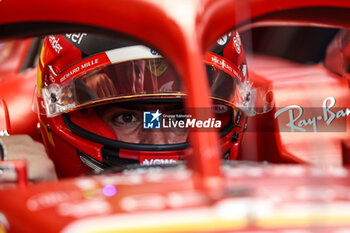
[{"x": 125, "y": 118}]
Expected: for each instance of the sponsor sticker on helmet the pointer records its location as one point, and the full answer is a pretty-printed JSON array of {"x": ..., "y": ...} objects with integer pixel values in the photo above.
[
  {"x": 75, "y": 37},
  {"x": 84, "y": 66},
  {"x": 149, "y": 162},
  {"x": 54, "y": 41},
  {"x": 224, "y": 64},
  {"x": 237, "y": 43},
  {"x": 157, "y": 160},
  {"x": 154, "y": 52},
  {"x": 222, "y": 40}
]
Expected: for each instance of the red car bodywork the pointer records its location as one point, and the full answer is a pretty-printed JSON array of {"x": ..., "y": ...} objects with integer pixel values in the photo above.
[
  {"x": 203, "y": 197},
  {"x": 17, "y": 86}
]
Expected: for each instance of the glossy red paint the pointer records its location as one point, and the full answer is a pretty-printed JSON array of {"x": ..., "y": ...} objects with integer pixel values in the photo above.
[
  {"x": 4, "y": 116},
  {"x": 157, "y": 23},
  {"x": 17, "y": 87}
]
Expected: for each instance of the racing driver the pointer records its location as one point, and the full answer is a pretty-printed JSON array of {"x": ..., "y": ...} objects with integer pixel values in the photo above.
[{"x": 105, "y": 102}]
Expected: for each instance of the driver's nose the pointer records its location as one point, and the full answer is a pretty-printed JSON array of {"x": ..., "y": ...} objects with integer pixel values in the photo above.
[{"x": 153, "y": 136}]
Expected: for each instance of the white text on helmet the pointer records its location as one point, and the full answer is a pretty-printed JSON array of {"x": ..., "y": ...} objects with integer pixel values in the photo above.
[
  {"x": 150, "y": 162},
  {"x": 54, "y": 43},
  {"x": 76, "y": 37},
  {"x": 237, "y": 43}
]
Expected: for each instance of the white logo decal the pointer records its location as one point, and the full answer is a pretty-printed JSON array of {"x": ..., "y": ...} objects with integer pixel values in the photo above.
[
  {"x": 76, "y": 37},
  {"x": 328, "y": 115},
  {"x": 54, "y": 43},
  {"x": 237, "y": 43},
  {"x": 222, "y": 40},
  {"x": 150, "y": 162}
]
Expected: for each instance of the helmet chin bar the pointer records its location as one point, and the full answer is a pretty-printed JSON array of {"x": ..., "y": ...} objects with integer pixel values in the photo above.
[{"x": 111, "y": 149}]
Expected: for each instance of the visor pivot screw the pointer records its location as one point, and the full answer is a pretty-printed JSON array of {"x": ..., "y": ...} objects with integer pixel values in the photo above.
[
  {"x": 48, "y": 127},
  {"x": 247, "y": 98},
  {"x": 38, "y": 127},
  {"x": 238, "y": 118},
  {"x": 235, "y": 137},
  {"x": 245, "y": 127},
  {"x": 53, "y": 98}
]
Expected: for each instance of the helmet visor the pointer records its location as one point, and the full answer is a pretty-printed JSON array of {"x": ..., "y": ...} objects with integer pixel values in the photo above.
[{"x": 141, "y": 78}]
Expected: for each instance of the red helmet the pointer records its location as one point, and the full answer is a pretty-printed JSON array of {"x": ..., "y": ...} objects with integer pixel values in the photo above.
[{"x": 101, "y": 102}]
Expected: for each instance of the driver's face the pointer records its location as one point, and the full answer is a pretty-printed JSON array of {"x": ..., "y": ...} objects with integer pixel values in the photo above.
[{"x": 127, "y": 123}]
